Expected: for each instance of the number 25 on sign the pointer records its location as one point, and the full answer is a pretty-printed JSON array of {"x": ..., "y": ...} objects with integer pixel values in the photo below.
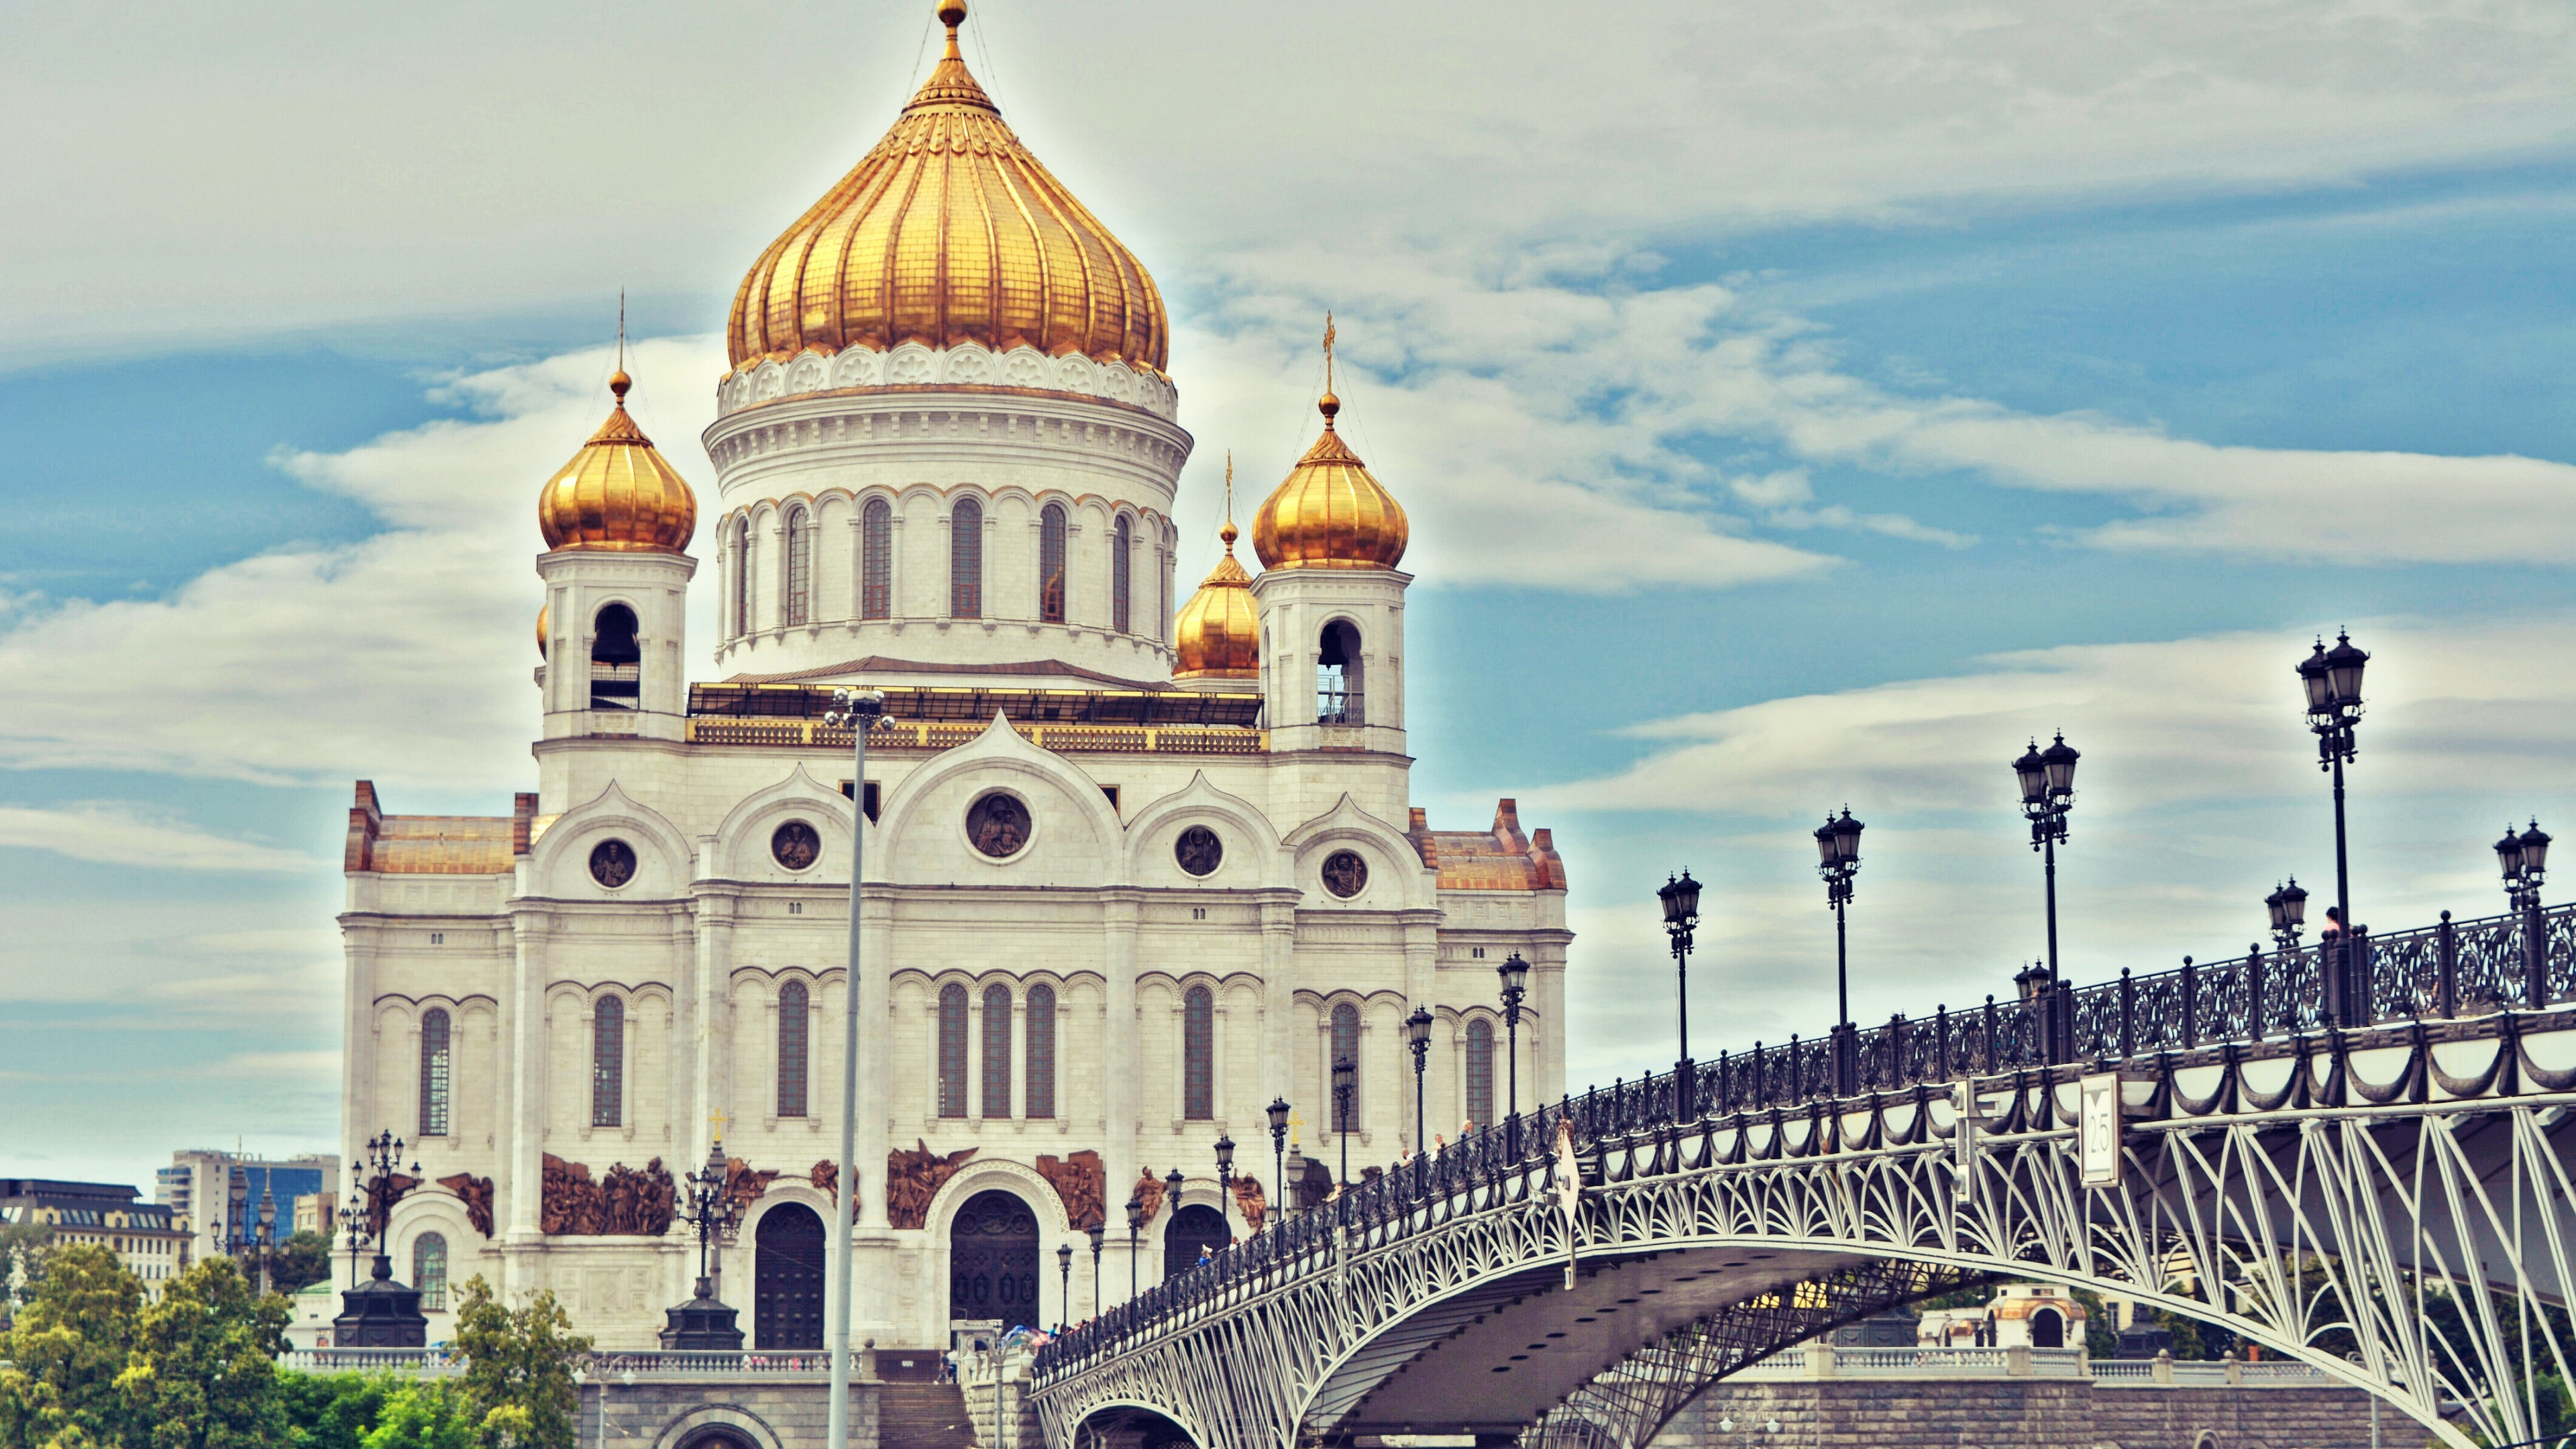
[{"x": 2097, "y": 1117}]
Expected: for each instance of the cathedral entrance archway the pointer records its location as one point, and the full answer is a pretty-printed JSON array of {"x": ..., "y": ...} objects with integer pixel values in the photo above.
[
  {"x": 993, "y": 1259},
  {"x": 787, "y": 1278},
  {"x": 1193, "y": 1228}
]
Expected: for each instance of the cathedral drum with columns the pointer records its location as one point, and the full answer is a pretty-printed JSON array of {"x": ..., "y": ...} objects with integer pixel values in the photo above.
[{"x": 1132, "y": 871}]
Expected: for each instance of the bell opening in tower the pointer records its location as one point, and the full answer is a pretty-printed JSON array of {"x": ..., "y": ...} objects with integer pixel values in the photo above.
[
  {"x": 1337, "y": 675},
  {"x": 616, "y": 660}
]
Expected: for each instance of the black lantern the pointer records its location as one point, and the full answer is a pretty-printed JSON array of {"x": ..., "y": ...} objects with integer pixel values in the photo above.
[
  {"x": 1064, "y": 1277},
  {"x": 1515, "y": 975},
  {"x": 2331, "y": 680},
  {"x": 2047, "y": 779},
  {"x": 1681, "y": 902},
  {"x": 2060, "y": 758},
  {"x": 2032, "y": 770},
  {"x": 1225, "y": 1162},
  {"x": 2509, "y": 856},
  {"x": 2343, "y": 673},
  {"x": 1680, "y": 896},
  {"x": 1346, "y": 1081},
  {"x": 1135, "y": 1226},
  {"x": 1838, "y": 861},
  {"x": 1417, "y": 1037},
  {"x": 2525, "y": 861}
]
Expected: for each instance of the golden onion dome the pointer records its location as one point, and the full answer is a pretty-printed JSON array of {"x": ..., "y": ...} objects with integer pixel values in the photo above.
[
  {"x": 949, "y": 231},
  {"x": 1330, "y": 513},
  {"x": 617, "y": 494},
  {"x": 1217, "y": 634}
]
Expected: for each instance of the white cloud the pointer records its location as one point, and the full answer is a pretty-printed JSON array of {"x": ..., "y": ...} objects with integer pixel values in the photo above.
[
  {"x": 1515, "y": 122},
  {"x": 317, "y": 1067},
  {"x": 113, "y": 833}
]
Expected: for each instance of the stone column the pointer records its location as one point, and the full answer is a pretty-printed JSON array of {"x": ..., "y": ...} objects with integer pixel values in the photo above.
[
  {"x": 358, "y": 1075},
  {"x": 1278, "y": 1014},
  {"x": 1120, "y": 1065},
  {"x": 522, "y": 1180},
  {"x": 712, "y": 1066},
  {"x": 876, "y": 1057},
  {"x": 1421, "y": 966}
]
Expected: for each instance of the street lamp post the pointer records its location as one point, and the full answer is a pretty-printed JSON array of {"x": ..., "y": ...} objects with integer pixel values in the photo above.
[
  {"x": 1278, "y": 1113},
  {"x": 1225, "y": 1204},
  {"x": 2332, "y": 681},
  {"x": 2047, "y": 793},
  {"x": 267, "y": 1232},
  {"x": 1838, "y": 846},
  {"x": 2524, "y": 859},
  {"x": 2288, "y": 907},
  {"x": 1346, "y": 1081},
  {"x": 1064, "y": 1294},
  {"x": 1097, "y": 1232},
  {"x": 353, "y": 1229},
  {"x": 1417, "y": 1036},
  {"x": 1681, "y": 916},
  {"x": 1515, "y": 976},
  {"x": 1172, "y": 1184},
  {"x": 704, "y": 1323},
  {"x": 1135, "y": 1225},
  {"x": 858, "y": 711}
]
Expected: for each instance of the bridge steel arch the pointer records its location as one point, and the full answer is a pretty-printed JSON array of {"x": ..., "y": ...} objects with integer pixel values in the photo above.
[{"x": 2400, "y": 1193}]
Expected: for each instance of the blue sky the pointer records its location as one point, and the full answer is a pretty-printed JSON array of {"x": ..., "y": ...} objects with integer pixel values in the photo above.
[{"x": 1797, "y": 405}]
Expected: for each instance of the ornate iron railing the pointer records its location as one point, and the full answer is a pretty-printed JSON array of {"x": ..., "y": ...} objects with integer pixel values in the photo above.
[{"x": 2522, "y": 960}]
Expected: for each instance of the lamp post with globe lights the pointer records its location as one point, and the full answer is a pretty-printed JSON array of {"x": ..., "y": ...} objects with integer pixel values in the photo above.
[
  {"x": 704, "y": 1323},
  {"x": 1098, "y": 1233},
  {"x": 1417, "y": 1037},
  {"x": 858, "y": 711},
  {"x": 1515, "y": 975},
  {"x": 1278, "y": 1114},
  {"x": 2331, "y": 679},
  {"x": 1064, "y": 1291},
  {"x": 1346, "y": 1082},
  {"x": 1680, "y": 896},
  {"x": 1135, "y": 1226},
  {"x": 2288, "y": 907},
  {"x": 1838, "y": 849},
  {"x": 2047, "y": 793},
  {"x": 2525, "y": 860}
]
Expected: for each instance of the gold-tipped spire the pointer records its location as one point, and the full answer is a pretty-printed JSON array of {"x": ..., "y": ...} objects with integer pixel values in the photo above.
[
  {"x": 1330, "y": 513},
  {"x": 1328, "y": 404},
  {"x": 1228, "y": 533},
  {"x": 618, "y": 381},
  {"x": 1217, "y": 634}
]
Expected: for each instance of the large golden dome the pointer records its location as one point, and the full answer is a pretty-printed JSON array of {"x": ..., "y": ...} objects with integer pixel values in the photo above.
[
  {"x": 617, "y": 494},
  {"x": 1330, "y": 513},
  {"x": 1217, "y": 634},
  {"x": 949, "y": 232}
]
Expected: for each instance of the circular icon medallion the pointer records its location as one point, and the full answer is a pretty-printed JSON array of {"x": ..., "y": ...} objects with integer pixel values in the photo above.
[
  {"x": 1199, "y": 850},
  {"x": 795, "y": 845},
  {"x": 612, "y": 863},
  {"x": 1345, "y": 874},
  {"x": 999, "y": 825}
]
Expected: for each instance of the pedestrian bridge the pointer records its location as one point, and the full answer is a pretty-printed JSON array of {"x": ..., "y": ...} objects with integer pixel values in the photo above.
[{"x": 2357, "y": 1159}]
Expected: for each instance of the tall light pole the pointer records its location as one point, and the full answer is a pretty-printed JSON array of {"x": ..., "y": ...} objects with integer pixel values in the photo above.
[
  {"x": 1064, "y": 1294},
  {"x": 1225, "y": 1204},
  {"x": 1417, "y": 1036},
  {"x": 2047, "y": 793},
  {"x": 1515, "y": 976},
  {"x": 1346, "y": 1080},
  {"x": 1838, "y": 846},
  {"x": 2525, "y": 858},
  {"x": 1681, "y": 916},
  {"x": 703, "y": 1323},
  {"x": 1135, "y": 1225},
  {"x": 858, "y": 711},
  {"x": 1278, "y": 1113},
  {"x": 353, "y": 1229},
  {"x": 2332, "y": 680},
  {"x": 1096, "y": 1232}
]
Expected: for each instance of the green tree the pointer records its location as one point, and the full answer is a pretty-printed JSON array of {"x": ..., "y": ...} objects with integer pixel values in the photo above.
[
  {"x": 202, "y": 1373},
  {"x": 518, "y": 1368},
  {"x": 333, "y": 1411},
  {"x": 63, "y": 1354},
  {"x": 426, "y": 1414},
  {"x": 300, "y": 1261}
]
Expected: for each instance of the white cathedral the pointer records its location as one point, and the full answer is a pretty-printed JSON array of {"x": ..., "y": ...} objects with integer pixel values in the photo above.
[{"x": 1132, "y": 872}]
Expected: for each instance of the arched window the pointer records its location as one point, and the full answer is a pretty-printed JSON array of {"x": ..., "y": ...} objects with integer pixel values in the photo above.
[
  {"x": 1337, "y": 675},
  {"x": 997, "y": 1051},
  {"x": 1121, "y": 570},
  {"x": 608, "y": 1062},
  {"x": 1480, "y": 1073},
  {"x": 1346, "y": 1047},
  {"x": 433, "y": 1073},
  {"x": 741, "y": 577},
  {"x": 1041, "y": 1048},
  {"x": 876, "y": 560},
  {"x": 1051, "y": 564},
  {"x": 966, "y": 560},
  {"x": 952, "y": 1051},
  {"x": 797, "y": 606},
  {"x": 1198, "y": 1055},
  {"x": 616, "y": 660},
  {"x": 792, "y": 1004},
  {"x": 429, "y": 1271}
]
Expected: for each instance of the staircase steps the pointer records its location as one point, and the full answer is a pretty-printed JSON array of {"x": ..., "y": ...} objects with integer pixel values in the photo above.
[{"x": 922, "y": 1416}]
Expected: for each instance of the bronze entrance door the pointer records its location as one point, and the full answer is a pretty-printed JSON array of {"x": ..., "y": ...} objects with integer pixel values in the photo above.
[
  {"x": 993, "y": 1260},
  {"x": 787, "y": 1279}
]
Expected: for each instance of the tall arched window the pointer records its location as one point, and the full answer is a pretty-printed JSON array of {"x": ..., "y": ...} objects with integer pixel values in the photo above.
[
  {"x": 616, "y": 660},
  {"x": 1337, "y": 676},
  {"x": 1346, "y": 1047},
  {"x": 792, "y": 1005},
  {"x": 429, "y": 1271},
  {"x": 1051, "y": 564},
  {"x": 797, "y": 606},
  {"x": 876, "y": 560},
  {"x": 1480, "y": 1073},
  {"x": 608, "y": 1062},
  {"x": 997, "y": 1051},
  {"x": 1121, "y": 573},
  {"x": 433, "y": 1073},
  {"x": 966, "y": 560},
  {"x": 1041, "y": 1050},
  {"x": 952, "y": 1051},
  {"x": 741, "y": 577},
  {"x": 1198, "y": 1055}
]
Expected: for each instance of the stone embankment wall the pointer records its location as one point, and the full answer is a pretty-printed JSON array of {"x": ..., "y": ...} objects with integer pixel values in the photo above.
[{"x": 2030, "y": 1414}]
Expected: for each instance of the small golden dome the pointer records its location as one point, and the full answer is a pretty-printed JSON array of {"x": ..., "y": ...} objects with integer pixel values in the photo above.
[
  {"x": 1218, "y": 632},
  {"x": 617, "y": 494},
  {"x": 949, "y": 231},
  {"x": 541, "y": 630},
  {"x": 1330, "y": 513}
]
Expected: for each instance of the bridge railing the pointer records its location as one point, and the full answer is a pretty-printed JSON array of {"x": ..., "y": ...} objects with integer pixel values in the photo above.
[{"x": 2521, "y": 960}]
